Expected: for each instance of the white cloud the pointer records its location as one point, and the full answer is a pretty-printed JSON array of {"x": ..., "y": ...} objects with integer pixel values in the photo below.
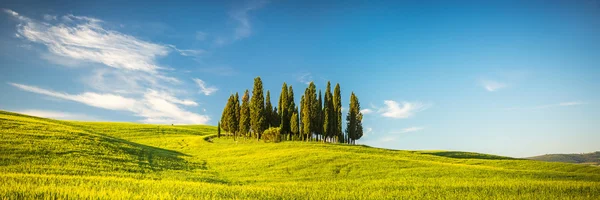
[
  {"x": 49, "y": 17},
  {"x": 240, "y": 15},
  {"x": 368, "y": 132},
  {"x": 388, "y": 139},
  {"x": 408, "y": 109},
  {"x": 491, "y": 85},
  {"x": 106, "y": 101},
  {"x": 410, "y": 129},
  {"x": 201, "y": 36},
  {"x": 366, "y": 111},
  {"x": 562, "y": 104},
  {"x": 83, "y": 38},
  {"x": 305, "y": 78},
  {"x": 154, "y": 107},
  {"x": 58, "y": 115},
  {"x": 126, "y": 75},
  {"x": 572, "y": 103},
  {"x": 206, "y": 90},
  {"x": 188, "y": 52}
]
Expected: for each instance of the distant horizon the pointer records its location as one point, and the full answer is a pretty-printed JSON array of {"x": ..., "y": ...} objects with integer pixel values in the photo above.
[{"x": 508, "y": 78}]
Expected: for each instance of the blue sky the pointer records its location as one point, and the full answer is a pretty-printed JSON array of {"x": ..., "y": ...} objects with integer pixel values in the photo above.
[{"x": 515, "y": 78}]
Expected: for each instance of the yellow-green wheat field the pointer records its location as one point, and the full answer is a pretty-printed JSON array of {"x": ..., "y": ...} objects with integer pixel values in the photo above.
[{"x": 52, "y": 159}]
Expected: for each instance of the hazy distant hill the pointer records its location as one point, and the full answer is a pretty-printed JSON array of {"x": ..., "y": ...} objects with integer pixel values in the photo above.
[{"x": 583, "y": 158}]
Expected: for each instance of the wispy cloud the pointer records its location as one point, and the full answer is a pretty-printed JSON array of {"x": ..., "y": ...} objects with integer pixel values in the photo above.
[
  {"x": 562, "y": 104},
  {"x": 58, "y": 115},
  {"x": 305, "y": 78},
  {"x": 366, "y": 111},
  {"x": 83, "y": 38},
  {"x": 491, "y": 85},
  {"x": 240, "y": 15},
  {"x": 201, "y": 36},
  {"x": 220, "y": 70},
  {"x": 409, "y": 129},
  {"x": 206, "y": 90},
  {"x": 154, "y": 107},
  {"x": 125, "y": 72},
  {"x": 401, "y": 110},
  {"x": 49, "y": 17}
]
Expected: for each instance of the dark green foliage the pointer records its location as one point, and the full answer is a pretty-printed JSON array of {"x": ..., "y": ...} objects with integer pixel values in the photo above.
[
  {"x": 272, "y": 134},
  {"x": 258, "y": 119},
  {"x": 328, "y": 113},
  {"x": 236, "y": 115},
  {"x": 284, "y": 114},
  {"x": 309, "y": 111},
  {"x": 337, "y": 113},
  {"x": 354, "y": 129},
  {"x": 245, "y": 115},
  {"x": 300, "y": 116},
  {"x": 219, "y": 129},
  {"x": 295, "y": 123},
  {"x": 291, "y": 107},
  {"x": 275, "y": 118},
  {"x": 224, "y": 116},
  {"x": 232, "y": 115},
  {"x": 319, "y": 117},
  {"x": 269, "y": 110}
]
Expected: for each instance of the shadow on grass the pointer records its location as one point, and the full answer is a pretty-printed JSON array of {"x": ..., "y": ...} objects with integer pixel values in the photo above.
[{"x": 468, "y": 155}]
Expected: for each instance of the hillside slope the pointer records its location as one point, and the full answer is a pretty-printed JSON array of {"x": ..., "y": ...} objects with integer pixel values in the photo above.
[
  {"x": 583, "y": 158},
  {"x": 43, "y": 158}
]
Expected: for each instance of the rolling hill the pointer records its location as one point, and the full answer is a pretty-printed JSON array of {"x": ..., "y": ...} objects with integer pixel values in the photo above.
[
  {"x": 44, "y": 158},
  {"x": 583, "y": 158}
]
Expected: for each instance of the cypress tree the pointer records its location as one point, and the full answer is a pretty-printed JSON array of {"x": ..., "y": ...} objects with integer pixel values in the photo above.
[
  {"x": 319, "y": 128},
  {"x": 232, "y": 115},
  {"x": 294, "y": 123},
  {"x": 245, "y": 115},
  {"x": 327, "y": 112},
  {"x": 284, "y": 116},
  {"x": 275, "y": 118},
  {"x": 258, "y": 120},
  {"x": 337, "y": 113},
  {"x": 269, "y": 109},
  {"x": 309, "y": 111},
  {"x": 354, "y": 129},
  {"x": 301, "y": 117},
  {"x": 225, "y": 117},
  {"x": 237, "y": 111},
  {"x": 291, "y": 106}
]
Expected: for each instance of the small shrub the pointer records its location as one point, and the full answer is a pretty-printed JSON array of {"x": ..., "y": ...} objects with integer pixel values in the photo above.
[{"x": 272, "y": 135}]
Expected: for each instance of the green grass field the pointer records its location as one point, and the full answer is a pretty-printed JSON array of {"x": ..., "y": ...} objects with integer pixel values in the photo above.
[{"x": 51, "y": 159}]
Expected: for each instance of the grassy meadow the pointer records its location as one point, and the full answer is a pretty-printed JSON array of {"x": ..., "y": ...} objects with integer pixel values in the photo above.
[{"x": 53, "y": 159}]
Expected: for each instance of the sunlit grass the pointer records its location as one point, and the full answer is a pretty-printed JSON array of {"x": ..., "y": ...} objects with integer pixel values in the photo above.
[{"x": 43, "y": 158}]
